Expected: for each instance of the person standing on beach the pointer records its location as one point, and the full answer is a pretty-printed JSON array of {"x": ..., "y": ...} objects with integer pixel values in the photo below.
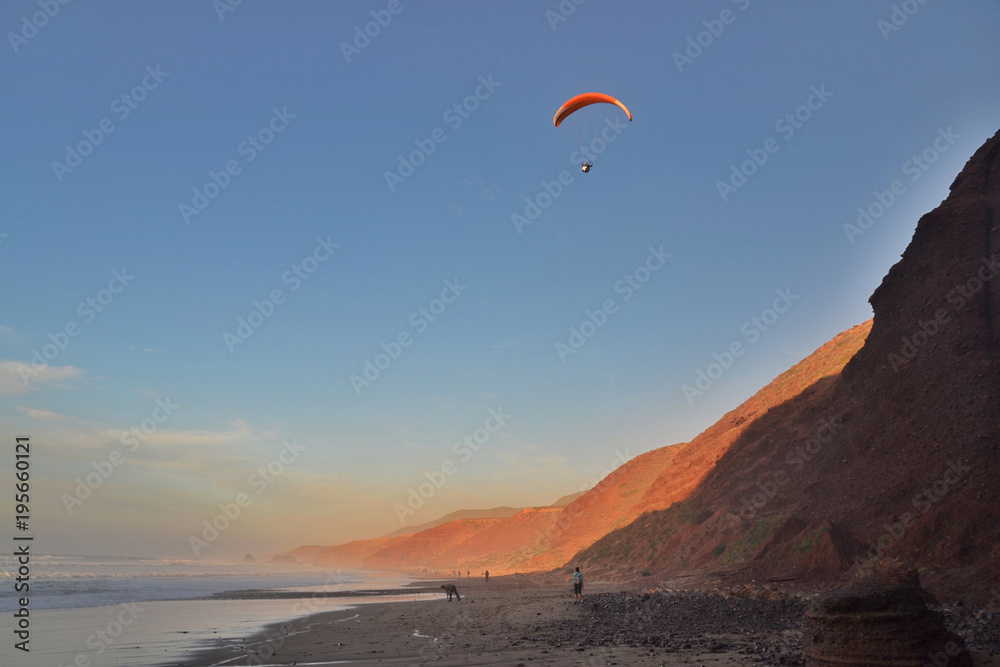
[
  {"x": 487, "y": 576},
  {"x": 577, "y": 586}
]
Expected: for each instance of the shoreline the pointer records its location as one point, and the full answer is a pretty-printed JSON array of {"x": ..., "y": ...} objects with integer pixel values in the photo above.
[
  {"x": 162, "y": 628},
  {"x": 278, "y": 594},
  {"x": 522, "y": 619},
  {"x": 510, "y": 620}
]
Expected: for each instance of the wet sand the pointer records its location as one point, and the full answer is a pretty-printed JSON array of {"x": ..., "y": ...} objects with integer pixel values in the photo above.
[
  {"x": 508, "y": 621},
  {"x": 154, "y": 632}
]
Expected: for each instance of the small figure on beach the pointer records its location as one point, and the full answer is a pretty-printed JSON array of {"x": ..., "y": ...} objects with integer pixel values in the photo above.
[
  {"x": 487, "y": 576},
  {"x": 577, "y": 586},
  {"x": 450, "y": 589}
]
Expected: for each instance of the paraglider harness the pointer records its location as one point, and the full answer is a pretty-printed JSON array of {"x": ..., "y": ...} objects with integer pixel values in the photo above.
[{"x": 586, "y": 166}]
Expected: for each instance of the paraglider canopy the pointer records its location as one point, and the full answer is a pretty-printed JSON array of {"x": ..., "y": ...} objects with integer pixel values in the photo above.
[{"x": 584, "y": 100}]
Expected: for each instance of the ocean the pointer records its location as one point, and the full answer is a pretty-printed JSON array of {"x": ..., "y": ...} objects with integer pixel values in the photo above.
[{"x": 89, "y": 611}]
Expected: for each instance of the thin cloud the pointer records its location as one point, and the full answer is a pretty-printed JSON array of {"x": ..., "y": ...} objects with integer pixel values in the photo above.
[
  {"x": 43, "y": 415},
  {"x": 71, "y": 435},
  {"x": 17, "y": 377},
  {"x": 481, "y": 190},
  {"x": 443, "y": 403},
  {"x": 148, "y": 393},
  {"x": 238, "y": 430},
  {"x": 148, "y": 350}
]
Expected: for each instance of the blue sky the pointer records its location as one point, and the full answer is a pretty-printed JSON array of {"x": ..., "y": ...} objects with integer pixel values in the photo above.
[{"x": 335, "y": 120}]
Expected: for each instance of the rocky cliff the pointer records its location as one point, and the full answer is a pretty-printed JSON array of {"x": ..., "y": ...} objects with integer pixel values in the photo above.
[{"x": 894, "y": 459}]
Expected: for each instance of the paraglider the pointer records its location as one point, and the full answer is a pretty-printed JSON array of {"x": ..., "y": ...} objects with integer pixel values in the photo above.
[{"x": 580, "y": 101}]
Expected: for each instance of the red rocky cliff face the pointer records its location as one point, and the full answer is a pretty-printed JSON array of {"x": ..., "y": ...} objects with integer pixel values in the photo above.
[{"x": 906, "y": 468}]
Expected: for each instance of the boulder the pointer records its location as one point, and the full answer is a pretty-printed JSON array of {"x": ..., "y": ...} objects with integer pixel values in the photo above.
[{"x": 881, "y": 621}]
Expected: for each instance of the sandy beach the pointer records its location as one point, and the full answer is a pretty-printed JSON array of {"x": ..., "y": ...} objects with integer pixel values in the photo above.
[
  {"x": 532, "y": 619},
  {"x": 509, "y": 620}
]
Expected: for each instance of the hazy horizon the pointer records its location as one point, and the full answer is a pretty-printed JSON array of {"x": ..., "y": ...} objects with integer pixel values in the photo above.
[{"x": 231, "y": 290}]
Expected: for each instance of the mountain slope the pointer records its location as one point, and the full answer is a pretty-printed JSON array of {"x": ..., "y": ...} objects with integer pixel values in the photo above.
[
  {"x": 697, "y": 459},
  {"x": 544, "y": 538},
  {"x": 492, "y": 513},
  {"x": 894, "y": 459},
  {"x": 612, "y": 503}
]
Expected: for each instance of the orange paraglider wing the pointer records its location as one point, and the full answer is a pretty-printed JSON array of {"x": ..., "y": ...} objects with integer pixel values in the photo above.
[{"x": 586, "y": 99}]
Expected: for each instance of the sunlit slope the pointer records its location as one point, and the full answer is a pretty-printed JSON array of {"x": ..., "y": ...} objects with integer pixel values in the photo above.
[{"x": 892, "y": 460}]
